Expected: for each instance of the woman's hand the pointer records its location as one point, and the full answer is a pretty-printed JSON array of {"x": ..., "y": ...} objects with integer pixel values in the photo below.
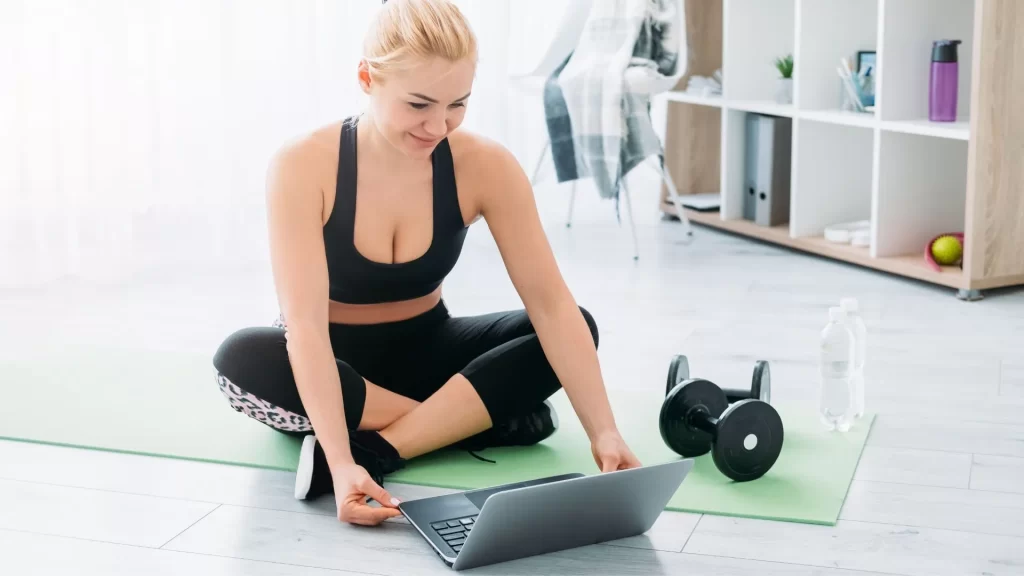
[
  {"x": 352, "y": 484},
  {"x": 611, "y": 453}
]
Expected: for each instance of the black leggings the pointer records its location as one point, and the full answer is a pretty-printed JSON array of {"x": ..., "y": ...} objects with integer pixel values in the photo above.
[{"x": 499, "y": 353}]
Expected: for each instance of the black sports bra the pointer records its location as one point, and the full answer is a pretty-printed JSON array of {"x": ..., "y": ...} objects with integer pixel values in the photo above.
[{"x": 356, "y": 279}]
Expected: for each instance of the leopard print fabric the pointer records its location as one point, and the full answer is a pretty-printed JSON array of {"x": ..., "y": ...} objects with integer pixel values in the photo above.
[{"x": 259, "y": 409}]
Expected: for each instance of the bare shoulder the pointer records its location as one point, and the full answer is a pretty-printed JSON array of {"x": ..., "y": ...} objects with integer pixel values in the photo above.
[
  {"x": 476, "y": 155},
  {"x": 483, "y": 167},
  {"x": 303, "y": 168}
]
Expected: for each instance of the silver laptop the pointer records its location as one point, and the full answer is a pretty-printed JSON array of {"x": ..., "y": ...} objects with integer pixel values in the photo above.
[{"x": 491, "y": 525}]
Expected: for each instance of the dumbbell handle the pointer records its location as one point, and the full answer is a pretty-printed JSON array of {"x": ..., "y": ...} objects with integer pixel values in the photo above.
[
  {"x": 734, "y": 396},
  {"x": 701, "y": 420}
]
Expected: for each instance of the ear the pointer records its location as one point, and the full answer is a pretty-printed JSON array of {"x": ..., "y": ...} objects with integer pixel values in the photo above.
[{"x": 364, "y": 76}]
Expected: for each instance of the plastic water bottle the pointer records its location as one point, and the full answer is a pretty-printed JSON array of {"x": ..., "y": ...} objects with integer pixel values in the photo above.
[
  {"x": 836, "y": 366},
  {"x": 855, "y": 322}
]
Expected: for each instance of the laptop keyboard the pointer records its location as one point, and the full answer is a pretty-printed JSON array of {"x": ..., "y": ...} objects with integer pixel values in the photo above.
[{"x": 455, "y": 532}]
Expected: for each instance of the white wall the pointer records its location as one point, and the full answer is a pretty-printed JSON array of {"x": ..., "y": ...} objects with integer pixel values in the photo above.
[{"x": 136, "y": 133}]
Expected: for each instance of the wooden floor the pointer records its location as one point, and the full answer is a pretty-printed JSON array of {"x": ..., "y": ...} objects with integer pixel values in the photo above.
[{"x": 939, "y": 490}]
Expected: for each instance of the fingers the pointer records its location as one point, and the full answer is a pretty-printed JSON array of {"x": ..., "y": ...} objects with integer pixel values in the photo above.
[
  {"x": 611, "y": 463},
  {"x": 366, "y": 515},
  {"x": 375, "y": 491},
  {"x": 355, "y": 510}
]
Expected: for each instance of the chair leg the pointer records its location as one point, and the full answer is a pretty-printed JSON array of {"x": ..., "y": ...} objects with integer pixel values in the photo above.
[
  {"x": 540, "y": 161},
  {"x": 536, "y": 173},
  {"x": 632, "y": 225},
  {"x": 676, "y": 200},
  {"x": 572, "y": 202}
]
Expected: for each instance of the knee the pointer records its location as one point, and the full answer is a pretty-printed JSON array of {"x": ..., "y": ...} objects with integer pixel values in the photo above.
[
  {"x": 249, "y": 352},
  {"x": 591, "y": 323},
  {"x": 234, "y": 349},
  {"x": 353, "y": 385}
]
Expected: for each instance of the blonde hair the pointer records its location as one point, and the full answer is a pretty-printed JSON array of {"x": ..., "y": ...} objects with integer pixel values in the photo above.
[{"x": 406, "y": 30}]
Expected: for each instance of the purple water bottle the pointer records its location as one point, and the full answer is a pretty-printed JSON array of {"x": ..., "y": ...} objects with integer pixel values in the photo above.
[{"x": 944, "y": 83}]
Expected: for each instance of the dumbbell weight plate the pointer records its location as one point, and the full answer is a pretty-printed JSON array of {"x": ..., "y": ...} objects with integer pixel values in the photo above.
[
  {"x": 678, "y": 370},
  {"x": 761, "y": 383},
  {"x": 732, "y": 451},
  {"x": 678, "y": 433}
]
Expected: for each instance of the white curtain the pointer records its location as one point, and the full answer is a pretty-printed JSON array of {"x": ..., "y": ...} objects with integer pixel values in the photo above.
[{"x": 135, "y": 134}]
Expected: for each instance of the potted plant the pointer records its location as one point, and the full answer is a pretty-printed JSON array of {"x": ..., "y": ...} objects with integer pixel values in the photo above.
[{"x": 784, "y": 87}]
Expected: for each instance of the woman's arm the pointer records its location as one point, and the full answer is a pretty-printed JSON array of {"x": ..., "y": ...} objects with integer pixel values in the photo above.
[
  {"x": 508, "y": 206},
  {"x": 295, "y": 222}
]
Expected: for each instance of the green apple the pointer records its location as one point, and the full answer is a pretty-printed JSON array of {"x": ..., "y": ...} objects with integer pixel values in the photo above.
[{"x": 947, "y": 250}]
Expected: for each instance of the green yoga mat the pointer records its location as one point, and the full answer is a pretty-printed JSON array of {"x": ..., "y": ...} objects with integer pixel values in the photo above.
[
  {"x": 149, "y": 402},
  {"x": 808, "y": 483},
  {"x": 168, "y": 404}
]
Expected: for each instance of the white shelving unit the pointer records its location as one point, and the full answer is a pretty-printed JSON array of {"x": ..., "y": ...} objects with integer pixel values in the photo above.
[{"x": 906, "y": 175}]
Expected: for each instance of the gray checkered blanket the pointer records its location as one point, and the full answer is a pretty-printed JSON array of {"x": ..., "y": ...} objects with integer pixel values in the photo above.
[{"x": 597, "y": 127}]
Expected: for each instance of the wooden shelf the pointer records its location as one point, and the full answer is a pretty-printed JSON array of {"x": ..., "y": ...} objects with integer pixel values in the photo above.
[
  {"x": 911, "y": 266},
  {"x": 953, "y": 130},
  {"x": 842, "y": 117},
  {"x": 912, "y": 178},
  {"x": 761, "y": 107},
  {"x": 687, "y": 98}
]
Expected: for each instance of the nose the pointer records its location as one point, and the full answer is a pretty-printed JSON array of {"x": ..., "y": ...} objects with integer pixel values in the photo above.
[{"x": 436, "y": 125}]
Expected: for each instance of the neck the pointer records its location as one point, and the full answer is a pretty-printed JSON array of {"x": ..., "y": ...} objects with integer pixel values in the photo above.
[{"x": 373, "y": 142}]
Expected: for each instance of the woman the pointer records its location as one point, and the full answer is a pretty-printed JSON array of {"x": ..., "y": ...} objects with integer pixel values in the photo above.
[{"x": 366, "y": 217}]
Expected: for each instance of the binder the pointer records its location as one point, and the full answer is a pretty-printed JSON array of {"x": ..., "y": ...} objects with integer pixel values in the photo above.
[
  {"x": 752, "y": 122},
  {"x": 769, "y": 145}
]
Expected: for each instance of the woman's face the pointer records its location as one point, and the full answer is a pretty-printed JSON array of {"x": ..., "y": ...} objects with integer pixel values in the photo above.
[{"x": 415, "y": 109}]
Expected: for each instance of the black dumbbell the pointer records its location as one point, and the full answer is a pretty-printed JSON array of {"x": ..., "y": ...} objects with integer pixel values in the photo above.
[
  {"x": 744, "y": 438},
  {"x": 760, "y": 383}
]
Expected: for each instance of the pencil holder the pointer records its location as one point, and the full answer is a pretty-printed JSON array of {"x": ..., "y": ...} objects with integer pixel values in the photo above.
[{"x": 861, "y": 89}]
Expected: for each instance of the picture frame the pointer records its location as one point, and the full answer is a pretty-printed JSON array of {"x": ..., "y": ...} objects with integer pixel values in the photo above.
[
  {"x": 866, "y": 88},
  {"x": 866, "y": 57}
]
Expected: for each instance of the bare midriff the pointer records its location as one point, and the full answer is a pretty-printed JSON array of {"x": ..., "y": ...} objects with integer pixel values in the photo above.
[{"x": 343, "y": 313}]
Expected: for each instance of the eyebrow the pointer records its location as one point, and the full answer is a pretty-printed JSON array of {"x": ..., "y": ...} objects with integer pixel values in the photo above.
[{"x": 429, "y": 99}]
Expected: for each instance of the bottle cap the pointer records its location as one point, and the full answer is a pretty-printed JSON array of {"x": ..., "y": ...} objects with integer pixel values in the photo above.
[
  {"x": 945, "y": 50},
  {"x": 836, "y": 314},
  {"x": 848, "y": 304}
]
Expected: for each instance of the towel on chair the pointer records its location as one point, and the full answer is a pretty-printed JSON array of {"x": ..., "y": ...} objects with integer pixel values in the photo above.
[{"x": 598, "y": 125}]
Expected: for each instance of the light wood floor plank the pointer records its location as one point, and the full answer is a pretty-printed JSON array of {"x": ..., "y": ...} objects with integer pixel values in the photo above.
[
  {"x": 670, "y": 532},
  {"x": 393, "y": 549},
  {"x": 861, "y": 546},
  {"x": 919, "y": 376},
  {"x": 998, "y": 473},
  {"x": 26, "y": 554},
  {"x": 237, "y": 485},
  {"x": 1012, "y": 378},
  {"x": 163, "y": 477},
  {"x": 982, "y": 409},
  {"x": 893, "y": 431},
  {"x": 910, "y": 466},
  {"x": 94, "y": 514},
  {"x": 977, "y": 511}
]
